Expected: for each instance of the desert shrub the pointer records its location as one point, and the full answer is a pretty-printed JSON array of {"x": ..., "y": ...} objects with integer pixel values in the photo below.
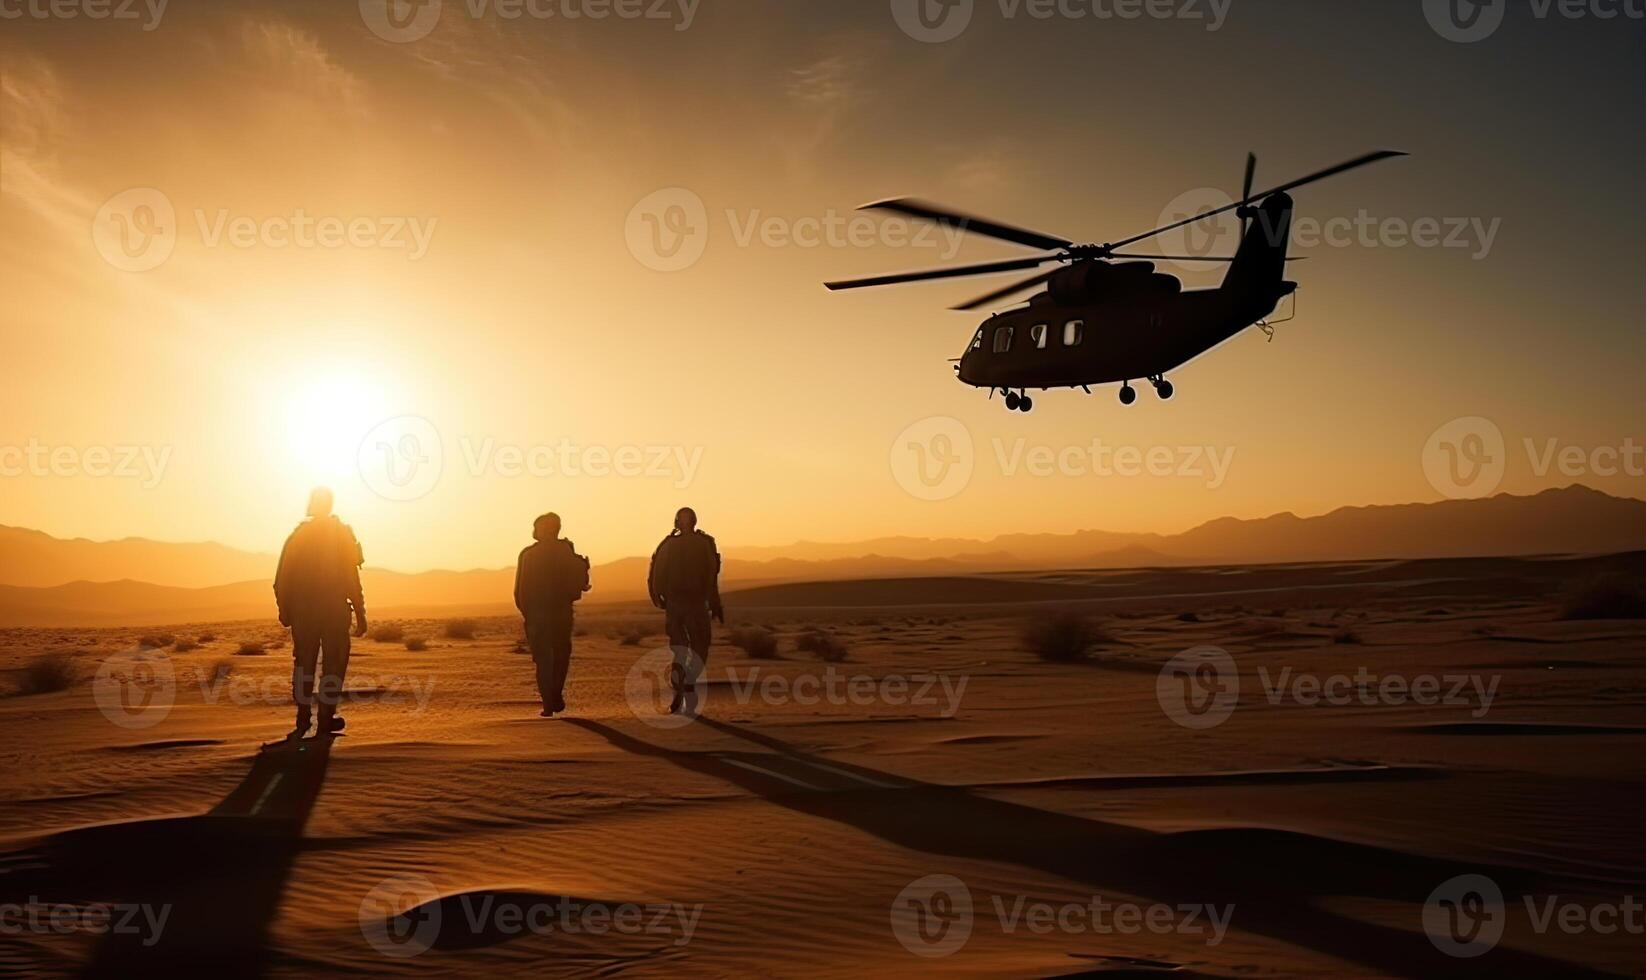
[
  {"x": 206, "y": 638},
  {"x": 250, "y": 648},
  {"x": 461, "y": 629},
  {"x": 388, "y": 633},
  {"x": 49, "y": 672},
  {"x": 634, "y": 639},
  {"x": 1064, "y": 638},
  {"x": 1609, "y": 598},
  {"x": 157, "y": 640},
  {"x": 1347, "y": 636},
  {"x": 756, "y": 641},
  {"x": 823, "y": 645},
  {"x": 184, "y": 645},
  {"x": 416, "y": 643},
  {"x": 275, "y": 643},
  {"x": 1188, "y": 617}
]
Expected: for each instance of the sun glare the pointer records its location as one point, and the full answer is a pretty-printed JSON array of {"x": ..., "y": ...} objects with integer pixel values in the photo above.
[{"x": 325, "y": 420}]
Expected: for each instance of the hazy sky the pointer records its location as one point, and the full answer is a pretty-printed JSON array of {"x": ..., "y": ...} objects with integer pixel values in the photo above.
[{"x": 253, "y": 246}]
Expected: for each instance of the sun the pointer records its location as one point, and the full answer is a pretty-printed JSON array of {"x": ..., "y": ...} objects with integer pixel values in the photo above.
[{"x": 326, "y": 417}]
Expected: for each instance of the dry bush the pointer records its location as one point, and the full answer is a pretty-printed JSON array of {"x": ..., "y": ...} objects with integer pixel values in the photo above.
[
  {"x": 157, "y": 640},
  {"x": 1064, "y": 638},
  {"x": 206, "y": 638},
  {"x": 634, "y": 639},
  {"x": 461, "y": 629},
  {"x": 184, "y": 645},
  {"x": 1347, "y": 636},
  {"x": 1188, "y": 617},
  {"x": 416, "y": 643},
  {"x": 756, "y": 641},
  {"x": 388, "y": 633},
  {"x": 1608, "y": 598},
  {"x": 250, "y": 648},
  {"x": 49, "y": 672},
  {"x": 822, "y": 644}
]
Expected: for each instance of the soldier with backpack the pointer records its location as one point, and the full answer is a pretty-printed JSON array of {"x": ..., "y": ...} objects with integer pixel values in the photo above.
[
  {"x": 550, "y": 577},
  {"x": 685, "y": 583}
]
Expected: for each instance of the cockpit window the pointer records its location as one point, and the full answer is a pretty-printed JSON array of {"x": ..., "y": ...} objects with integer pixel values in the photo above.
[
  {"x": 1073, "y": 332},
  {"x": 1002, "y": 339},
  {"x": 1037, "y": 333},
  {"x": 977, "y": 339}
]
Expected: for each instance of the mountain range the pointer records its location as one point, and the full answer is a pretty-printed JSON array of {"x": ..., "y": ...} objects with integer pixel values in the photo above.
[{"x": 48, "y": 581}]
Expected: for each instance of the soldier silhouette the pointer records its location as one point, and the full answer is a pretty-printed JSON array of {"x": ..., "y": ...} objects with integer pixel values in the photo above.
[
  {"x": 550, "y": 577},
  {"x": 316, "y": 588},
  {"x": 685, "y": 583}
]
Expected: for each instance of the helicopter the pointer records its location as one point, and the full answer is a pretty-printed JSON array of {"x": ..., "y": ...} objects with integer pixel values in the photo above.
[{"x": 1099, "y": 321}]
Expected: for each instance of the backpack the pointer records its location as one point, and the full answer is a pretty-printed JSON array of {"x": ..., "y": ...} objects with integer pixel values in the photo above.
[{"x": 574, "y": 572}]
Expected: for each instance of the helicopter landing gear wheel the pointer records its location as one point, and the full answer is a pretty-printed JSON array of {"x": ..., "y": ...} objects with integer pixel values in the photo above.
[
  {"x": 1012, "y": 401},
  {"x": 1162, "y": 387},
  {"x": 1025, "y": 404},
  {"x": 1128, "y": 394}
]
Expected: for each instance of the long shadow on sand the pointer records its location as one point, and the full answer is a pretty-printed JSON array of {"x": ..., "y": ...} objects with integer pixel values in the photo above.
[
  {"x": 1274, "y": 879},
  {"x": 217, "y": 876}
]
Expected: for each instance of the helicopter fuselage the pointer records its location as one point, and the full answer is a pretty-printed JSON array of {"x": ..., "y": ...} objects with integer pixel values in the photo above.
[{"x": 1129, "y": 338}]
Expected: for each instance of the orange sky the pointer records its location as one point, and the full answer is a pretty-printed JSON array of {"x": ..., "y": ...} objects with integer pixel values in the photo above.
[{"x": 446, "y": 230}]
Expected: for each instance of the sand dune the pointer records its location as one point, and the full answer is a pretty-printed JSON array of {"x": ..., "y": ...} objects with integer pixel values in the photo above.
[{"x": 781, "y": 835}]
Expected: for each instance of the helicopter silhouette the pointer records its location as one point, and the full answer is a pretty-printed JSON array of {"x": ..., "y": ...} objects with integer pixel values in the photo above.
[{"x": 1099, "y": 321}]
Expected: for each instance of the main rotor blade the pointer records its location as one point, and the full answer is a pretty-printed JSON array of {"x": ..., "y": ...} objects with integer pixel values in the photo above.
[
  {"x": 1251, "y": 172},
  {"x": 1005, "y": 291},
  {"x": 1007, "y": 265},
  {"x": 968, "y": 222},
  {"x": 1254, "y": 198},
  {"x": 1190, "y": 258}
]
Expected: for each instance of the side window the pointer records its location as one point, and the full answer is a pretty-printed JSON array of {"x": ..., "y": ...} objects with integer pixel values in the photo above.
[
  {"x": 1037, "y": 333},
  {"x": 1002, "y": 339},
  {"x": 1073, "y": 332}
]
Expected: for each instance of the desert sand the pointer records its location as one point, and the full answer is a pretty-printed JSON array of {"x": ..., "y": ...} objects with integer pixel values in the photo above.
[{"x": 793, "y": 829}]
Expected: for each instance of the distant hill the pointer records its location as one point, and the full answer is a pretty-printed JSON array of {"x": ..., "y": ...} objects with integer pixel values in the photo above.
[{"x": 51, "y": 581}]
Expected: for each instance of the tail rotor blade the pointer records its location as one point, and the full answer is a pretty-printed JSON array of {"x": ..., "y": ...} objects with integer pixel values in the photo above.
[{"x": 1246, "y": 187}]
